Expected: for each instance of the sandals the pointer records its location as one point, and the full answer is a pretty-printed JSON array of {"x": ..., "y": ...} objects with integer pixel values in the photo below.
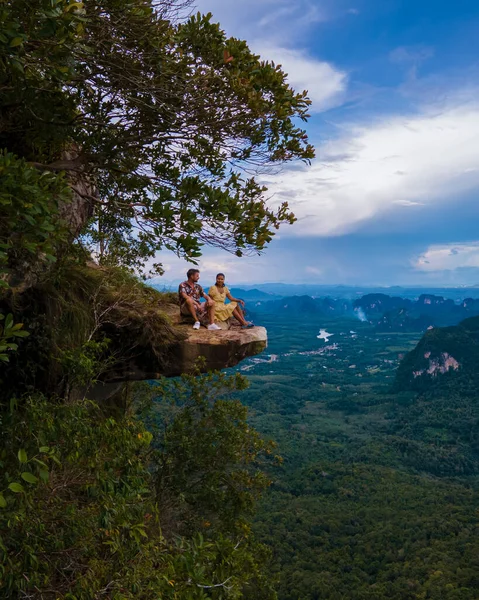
[{"x": 248, "y": 325}]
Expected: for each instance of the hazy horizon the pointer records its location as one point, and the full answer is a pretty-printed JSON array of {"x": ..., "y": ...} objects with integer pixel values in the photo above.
[{"x": 161, "y": 281}]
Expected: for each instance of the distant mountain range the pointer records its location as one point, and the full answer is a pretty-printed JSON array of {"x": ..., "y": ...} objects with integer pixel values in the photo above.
[
  {"x": 416, "y": 312},
  {"x": 386, "y": 313},
  {"x": 391, "y": 313},
  {"x": 281, "y": 290},
  {"x": 304, "y": 305},
  {"x": 355, "y": 291},
  {"x": 252, "y": 295}
]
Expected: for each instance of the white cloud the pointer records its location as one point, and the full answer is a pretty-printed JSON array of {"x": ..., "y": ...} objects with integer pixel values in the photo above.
[
  {"x": 236, "y": 269},
  {"x": 272, "y": 19},
  {"x": 408, "y": 203},
  {"x": 411, "y": 54},
  {"x": 424, "y": 159},
  {"x": 274, "y": 30},
  {"x": 448, "y": 257},
  {"x": 411, "y": 58},
  {"x": 325, "y": 83}
]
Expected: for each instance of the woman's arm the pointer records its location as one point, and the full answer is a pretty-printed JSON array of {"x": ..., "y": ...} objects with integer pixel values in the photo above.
[{"x": 230, "y": 297}]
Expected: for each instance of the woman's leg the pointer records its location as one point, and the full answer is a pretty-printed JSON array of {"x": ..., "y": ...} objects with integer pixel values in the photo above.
[{"x": 238, "y": 314}]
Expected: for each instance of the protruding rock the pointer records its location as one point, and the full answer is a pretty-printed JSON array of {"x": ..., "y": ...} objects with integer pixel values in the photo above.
[{"x": 220, "y": 349}]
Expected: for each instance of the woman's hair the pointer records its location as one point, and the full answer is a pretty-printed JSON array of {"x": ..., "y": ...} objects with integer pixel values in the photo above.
[{"x": 220, "y": 275}]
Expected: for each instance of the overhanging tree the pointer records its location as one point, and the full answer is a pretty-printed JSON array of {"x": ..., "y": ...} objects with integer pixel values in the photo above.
[
  {"x": 171, "y": 120},
  {"x": 126, "y": 127}
]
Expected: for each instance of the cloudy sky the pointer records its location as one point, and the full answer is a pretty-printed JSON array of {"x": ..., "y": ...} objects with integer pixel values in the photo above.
[{"x": 392, "y": 197}]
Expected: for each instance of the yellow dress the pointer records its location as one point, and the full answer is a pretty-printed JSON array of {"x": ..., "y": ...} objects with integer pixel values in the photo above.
[{"x": 222, "y": 311}]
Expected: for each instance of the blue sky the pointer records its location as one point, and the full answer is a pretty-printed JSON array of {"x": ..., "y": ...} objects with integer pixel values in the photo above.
[{"x": 392, "y": 197}]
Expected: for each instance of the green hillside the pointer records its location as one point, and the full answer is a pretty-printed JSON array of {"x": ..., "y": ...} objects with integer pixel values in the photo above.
[
  {"x": 377, "y": 494},
  {"x": 428, "y": 366}
]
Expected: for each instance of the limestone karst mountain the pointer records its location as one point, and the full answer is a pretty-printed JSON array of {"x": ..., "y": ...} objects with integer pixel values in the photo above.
[{"x": 443, "y": 355}]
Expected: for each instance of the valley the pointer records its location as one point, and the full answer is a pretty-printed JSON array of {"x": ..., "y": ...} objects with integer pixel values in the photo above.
[{"x": 377, "y": 493}]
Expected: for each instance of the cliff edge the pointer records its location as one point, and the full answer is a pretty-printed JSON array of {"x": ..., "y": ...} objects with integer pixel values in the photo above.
[{"x": 219, "y": 349}]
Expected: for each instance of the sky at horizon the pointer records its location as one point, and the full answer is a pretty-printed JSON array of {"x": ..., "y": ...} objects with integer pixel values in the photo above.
[{"x": 391, "y": 198}]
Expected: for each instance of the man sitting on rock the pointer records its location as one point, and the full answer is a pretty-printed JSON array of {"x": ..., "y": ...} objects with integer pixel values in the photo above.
[{"x": 190, "y": 293}]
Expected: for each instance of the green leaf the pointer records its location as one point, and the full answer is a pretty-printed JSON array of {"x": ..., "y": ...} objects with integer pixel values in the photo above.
[
  {"x": 17, "y": 41},
  {"x": 44, "y": 475},
  {"x": 17, "y": 66},
  {"x": 44, "y": 449},
  {"x": 3, "y": 502},
  {"x": 9, "y": 321},
  {"x": 74, "y": 5},
  {"x": 20, "y": 333},
  {"x": 22, "y": 456},
  {"x": 16, "y": 487},
  {"x": 29, "y": 477}
]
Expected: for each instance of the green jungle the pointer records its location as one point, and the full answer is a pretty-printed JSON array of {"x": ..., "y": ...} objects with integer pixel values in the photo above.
[
  {"x": 376, "y": 496},
  {"x": 343, "y": 468}
]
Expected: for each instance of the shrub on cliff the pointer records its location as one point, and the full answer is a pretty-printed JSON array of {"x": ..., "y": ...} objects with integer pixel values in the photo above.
[{"x": 93, "y": 506}]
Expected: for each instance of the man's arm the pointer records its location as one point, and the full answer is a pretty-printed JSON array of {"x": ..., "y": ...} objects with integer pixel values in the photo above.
[
  {"x": 204, "y": 295},
  {"x": 184, "y": 295},
  {"x": 208, "y": 299},
  {"x": 181, "y": 292}
]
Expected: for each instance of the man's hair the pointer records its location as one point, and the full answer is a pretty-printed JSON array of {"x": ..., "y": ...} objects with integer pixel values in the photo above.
[
  {"x": 220, "y": 275},
  {"x": 191, "y": 272}
]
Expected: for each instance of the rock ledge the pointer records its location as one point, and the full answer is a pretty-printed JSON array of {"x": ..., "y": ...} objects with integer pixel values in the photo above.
[{"x": 220, "y": 349}]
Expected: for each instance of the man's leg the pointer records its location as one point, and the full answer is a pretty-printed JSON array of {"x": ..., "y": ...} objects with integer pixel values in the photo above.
[
  {"x": 190, "y": 305},
  {"x": 210, "y": 307}
]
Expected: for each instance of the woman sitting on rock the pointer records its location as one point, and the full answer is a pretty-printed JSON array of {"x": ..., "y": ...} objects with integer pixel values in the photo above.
[{"x": 218, "y": 293}]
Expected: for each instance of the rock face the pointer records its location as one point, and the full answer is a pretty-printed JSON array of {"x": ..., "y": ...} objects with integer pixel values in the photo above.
[
  {"x": 74, "y": 214},
  {"x": 146, "y": 338},
  {"x": 220, "y": 349},
  {"x": 445, "y": 356},
  {"x": 439, "y": 365}
]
